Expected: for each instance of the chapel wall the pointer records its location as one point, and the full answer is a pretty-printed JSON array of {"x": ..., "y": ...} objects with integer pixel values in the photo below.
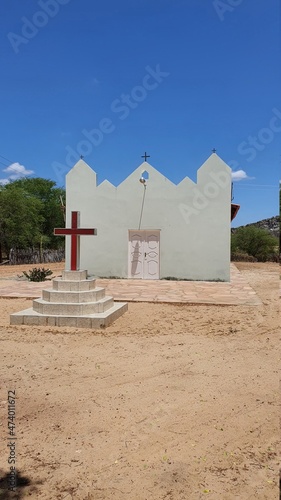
[{"x": 193, "y": 219}]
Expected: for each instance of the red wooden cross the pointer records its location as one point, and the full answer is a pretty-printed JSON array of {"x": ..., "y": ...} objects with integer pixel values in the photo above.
[{"x": 75, "y": 231}]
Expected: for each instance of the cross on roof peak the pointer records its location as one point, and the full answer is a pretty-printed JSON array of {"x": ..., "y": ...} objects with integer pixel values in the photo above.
[{"x": 145, "y": 156}]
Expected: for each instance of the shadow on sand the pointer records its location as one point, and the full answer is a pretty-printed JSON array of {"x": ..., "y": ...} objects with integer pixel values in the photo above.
[{"x": 21, "y": 482}]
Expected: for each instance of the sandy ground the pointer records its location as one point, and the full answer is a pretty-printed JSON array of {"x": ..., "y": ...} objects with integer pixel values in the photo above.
[
  {"x": 170, "y": 402},
  {"x": 16, "y": 271}
]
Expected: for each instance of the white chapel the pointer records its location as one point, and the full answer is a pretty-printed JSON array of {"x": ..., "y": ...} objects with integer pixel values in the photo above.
[{"x": 150, "y": 228}]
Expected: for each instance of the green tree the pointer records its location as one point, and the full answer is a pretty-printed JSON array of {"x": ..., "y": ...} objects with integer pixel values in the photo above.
[
  {"x": 30, "y": 209},
  {"x": 254, "y": 241},
  {"x": 50, "y": 213},
  {"x": 20, "y": 219}
]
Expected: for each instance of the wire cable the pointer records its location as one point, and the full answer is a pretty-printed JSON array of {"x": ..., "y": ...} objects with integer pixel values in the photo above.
[{"x": 4, "y": 158}]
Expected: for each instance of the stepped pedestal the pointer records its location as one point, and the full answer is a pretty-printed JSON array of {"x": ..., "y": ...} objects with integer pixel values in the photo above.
[{"x": 74, "y": 301}]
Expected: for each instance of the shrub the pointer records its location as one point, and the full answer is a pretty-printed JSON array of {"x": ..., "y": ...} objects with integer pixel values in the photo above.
[
  {"x": 240, "y": 256},
  {"x": 37, "y": 274},
  {"x": 255, "y": 242}
]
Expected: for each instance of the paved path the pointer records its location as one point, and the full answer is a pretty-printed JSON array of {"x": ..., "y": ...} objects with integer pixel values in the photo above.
[{"x": 237, "y": 292}]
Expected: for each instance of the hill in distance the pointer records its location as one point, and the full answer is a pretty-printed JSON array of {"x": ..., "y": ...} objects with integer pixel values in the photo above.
[{"x": 271, "y": 225}]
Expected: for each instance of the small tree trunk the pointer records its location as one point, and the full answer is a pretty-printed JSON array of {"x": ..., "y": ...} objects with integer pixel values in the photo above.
[{"x": 41, "y": 250}]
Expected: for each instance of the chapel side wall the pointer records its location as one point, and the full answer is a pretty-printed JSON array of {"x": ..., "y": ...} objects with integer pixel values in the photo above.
[
  {"x": 194, "y": 246},
  {"x": 203, "y": 250}
]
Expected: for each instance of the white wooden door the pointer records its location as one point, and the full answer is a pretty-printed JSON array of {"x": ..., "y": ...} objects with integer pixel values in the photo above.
[
  {"x": 136, "y": 254},
  {"x": 151, "y": 255},
  {"x": 144, "y": 254}
]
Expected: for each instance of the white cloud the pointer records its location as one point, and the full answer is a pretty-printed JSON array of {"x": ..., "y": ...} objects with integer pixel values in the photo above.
[
  {"x": 240, "y": 175},
  {"x": 15, "y": 171},
  {"x": 3, "y": 182}
]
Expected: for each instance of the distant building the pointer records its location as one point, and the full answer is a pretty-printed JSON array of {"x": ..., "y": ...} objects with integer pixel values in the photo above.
[{"x": 150, "y": 228}]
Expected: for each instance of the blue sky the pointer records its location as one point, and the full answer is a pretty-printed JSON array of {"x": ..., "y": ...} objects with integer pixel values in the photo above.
[{"x": 173, "y": 77}]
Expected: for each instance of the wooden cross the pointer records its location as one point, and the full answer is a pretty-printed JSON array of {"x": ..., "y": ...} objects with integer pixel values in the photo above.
[
  {"x": 145, "y": 156},
  {"x": 75, "y": 231}
]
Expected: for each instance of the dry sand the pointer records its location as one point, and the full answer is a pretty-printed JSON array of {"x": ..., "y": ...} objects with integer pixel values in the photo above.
[{"x": 170, "y": 402}]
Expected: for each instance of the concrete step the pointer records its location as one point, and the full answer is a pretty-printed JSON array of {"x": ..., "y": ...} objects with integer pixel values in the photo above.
[
  {"x": 74, "y": 275},
  {"x": 57, "y": 296},
  {"x": 72, "y": 309},
  {"x": 94, "y": 321},
  {"x": 63, "y": 285}
]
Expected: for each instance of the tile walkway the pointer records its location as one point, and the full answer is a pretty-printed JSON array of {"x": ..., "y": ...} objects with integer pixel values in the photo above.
[{"x": 237, "y": 292}]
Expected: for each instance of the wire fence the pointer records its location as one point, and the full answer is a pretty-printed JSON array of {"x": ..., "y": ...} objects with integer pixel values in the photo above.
[{"x": 35, "y": 256}]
